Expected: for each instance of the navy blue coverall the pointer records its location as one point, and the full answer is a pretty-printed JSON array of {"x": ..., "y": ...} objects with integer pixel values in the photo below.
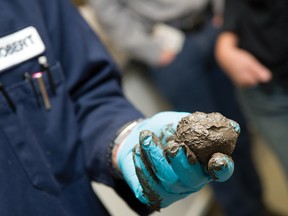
[{"x": 49, "y": 157}]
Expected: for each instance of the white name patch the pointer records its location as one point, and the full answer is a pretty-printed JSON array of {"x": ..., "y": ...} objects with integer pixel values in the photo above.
[{"x": 19, "y": 47}]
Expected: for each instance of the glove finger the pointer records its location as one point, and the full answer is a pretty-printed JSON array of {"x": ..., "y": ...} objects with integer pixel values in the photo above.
[
  {"x": 168, "y": 132},
  {"x": 147, "y": 179},
  {"x": 131, "y": 177},
  {"x": 186, "y": 166},
  {"x": 220, "y": 167},
  {"x": 236, "y": 126},
  {"x": 153, "y": 150},
  {"x": 150, "y": 191}
]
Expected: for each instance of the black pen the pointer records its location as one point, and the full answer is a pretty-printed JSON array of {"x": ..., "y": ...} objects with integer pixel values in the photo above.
[{"x": 8, "y": 98}]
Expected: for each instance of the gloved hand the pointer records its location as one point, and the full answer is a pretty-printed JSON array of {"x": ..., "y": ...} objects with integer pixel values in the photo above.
[{"x": 157, "y": 174}]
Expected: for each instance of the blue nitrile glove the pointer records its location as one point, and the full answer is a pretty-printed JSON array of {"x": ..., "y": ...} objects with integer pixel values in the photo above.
[{"x": 160, "y": 175}]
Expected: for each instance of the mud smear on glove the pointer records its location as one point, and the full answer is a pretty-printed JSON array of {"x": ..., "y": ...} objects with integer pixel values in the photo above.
[
  {"x": 153, "y": 198},
  {"x": 151, "y": 195}
]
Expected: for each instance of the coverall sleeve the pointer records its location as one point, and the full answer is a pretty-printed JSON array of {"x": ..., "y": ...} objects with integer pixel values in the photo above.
[
  {"x": 127, "y": 30},
  {"x": 93, "y": 82}
]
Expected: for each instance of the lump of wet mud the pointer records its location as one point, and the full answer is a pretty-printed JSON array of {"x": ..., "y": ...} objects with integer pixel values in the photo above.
[{"x": 206, "y": 134}]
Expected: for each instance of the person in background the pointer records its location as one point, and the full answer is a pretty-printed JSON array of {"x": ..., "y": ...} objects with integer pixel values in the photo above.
[
  {"x": 252, "y": 49},
  {"x": 175, "y": 41},
  {"x": 65, "y": 122}
]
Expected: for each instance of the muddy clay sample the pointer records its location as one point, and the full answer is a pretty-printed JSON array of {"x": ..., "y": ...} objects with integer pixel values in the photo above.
[
  {"x": 208, "y": 138},
  {"x": 206, "y": 134}
]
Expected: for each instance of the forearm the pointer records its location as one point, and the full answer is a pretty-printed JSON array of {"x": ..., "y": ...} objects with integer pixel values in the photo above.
[
  {"x": 244, "y": 69},
  {"x": 225, "y": 42}
]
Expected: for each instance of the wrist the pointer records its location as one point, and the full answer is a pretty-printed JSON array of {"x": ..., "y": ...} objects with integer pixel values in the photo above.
[
  {"x": 121, "y": 136},
  {"x": 114, "y": 158}
]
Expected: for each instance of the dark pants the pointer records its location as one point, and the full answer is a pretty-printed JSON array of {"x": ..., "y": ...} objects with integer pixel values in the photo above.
[{"x": 194, "y": 82}]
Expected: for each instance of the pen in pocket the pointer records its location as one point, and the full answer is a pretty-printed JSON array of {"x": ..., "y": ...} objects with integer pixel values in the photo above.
[
  {"x": 28, "y": 78},
  {"x": 45, "y": 66},
  {"x": 39, "y": 77},
  {"x": 8, "y": 98}
]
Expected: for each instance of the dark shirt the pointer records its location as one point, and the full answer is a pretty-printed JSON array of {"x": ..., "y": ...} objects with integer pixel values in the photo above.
[{"x": 262, "y": 27}]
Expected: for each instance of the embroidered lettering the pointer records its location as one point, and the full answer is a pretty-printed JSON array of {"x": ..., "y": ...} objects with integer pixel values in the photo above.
[
  {"x": 16, "y": 46},
  {"x": 20, "y": 46}
]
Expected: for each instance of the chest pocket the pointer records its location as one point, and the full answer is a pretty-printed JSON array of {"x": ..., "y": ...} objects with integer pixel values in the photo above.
[{"x": 44, "y": 141}]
